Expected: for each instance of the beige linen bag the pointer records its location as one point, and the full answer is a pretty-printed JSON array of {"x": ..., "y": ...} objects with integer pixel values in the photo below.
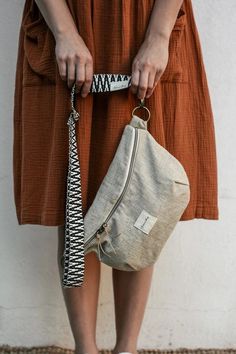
[{"x": 139, "y": 202}]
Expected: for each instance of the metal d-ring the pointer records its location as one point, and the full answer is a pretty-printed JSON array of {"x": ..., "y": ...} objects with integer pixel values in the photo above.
[{"x": 141, "y": 105}]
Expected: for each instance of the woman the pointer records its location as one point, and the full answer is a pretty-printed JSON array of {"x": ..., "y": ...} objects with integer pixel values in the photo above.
[{"x": 63, "y": 41}]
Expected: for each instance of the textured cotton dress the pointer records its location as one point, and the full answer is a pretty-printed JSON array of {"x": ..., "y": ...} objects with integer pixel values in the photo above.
[{"x": 181, "y": 114}]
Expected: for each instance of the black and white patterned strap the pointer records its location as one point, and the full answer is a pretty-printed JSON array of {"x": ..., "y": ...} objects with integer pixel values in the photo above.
[
  {"x": 74, "y": 228},
  {"x": 110, "y": 82},
  {"x": 72, "y": 259}
]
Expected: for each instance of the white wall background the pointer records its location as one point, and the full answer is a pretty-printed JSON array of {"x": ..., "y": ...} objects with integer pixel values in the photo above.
[{"x": 192, "y": 301}]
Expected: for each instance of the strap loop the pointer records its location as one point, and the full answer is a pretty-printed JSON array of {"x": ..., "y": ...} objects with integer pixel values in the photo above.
[{"x": 73, "y": 257}]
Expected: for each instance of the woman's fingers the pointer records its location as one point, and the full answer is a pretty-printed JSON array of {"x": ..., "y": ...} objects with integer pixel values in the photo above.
[
  {"x": 143, "y": 80},
  {"x": 70, "y": 72},
  {"x": 75, "y": 62},
  {"x": 151, "y": 83},
  {"x": 62, "y": 66},
  {"x": 80, "y": 76},
  {"x": 148, "y": 66},
  {"x": 88, "y": 68},
  {"x": 135, "y": 80},
  {"x": 143, "y": 83}
]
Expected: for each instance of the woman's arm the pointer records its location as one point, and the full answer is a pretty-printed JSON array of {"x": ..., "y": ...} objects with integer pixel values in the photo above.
[
  {"x": 163, "y": 18},
  {"x": 73, "y": 56},
  {"x": 152, "y": 57}
]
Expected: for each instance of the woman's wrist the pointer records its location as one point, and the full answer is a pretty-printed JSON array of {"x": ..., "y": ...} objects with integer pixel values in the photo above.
[
  {"x": 151, "y": 36},
  {"x": 64, "y": 31},
  {"x": 58, "y": 17},
  {"x": 162, "y": 20}
]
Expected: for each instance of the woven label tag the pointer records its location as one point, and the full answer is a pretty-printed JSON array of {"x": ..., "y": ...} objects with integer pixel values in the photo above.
[
  {"x": 145, "y": 222},
  {"x": 118, "y": 85}
]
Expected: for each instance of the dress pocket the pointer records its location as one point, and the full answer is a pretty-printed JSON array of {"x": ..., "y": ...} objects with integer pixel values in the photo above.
[
  {"x": 39, "y": 47},
  {"x": 176, "y": 70}
]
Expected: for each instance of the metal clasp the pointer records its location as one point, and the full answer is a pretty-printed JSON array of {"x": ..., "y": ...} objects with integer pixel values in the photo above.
[
  {"x": 74, "y": 114},
  {"x": 142, "y": 105}
]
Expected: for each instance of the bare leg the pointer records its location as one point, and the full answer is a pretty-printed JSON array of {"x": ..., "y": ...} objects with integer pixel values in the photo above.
[
  {"x": 131, "y": 291},
  {"x": 81, "y": 302}
]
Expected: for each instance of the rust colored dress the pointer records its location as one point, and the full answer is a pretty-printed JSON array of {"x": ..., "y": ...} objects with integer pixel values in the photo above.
[{"x": 181, "y": 114}]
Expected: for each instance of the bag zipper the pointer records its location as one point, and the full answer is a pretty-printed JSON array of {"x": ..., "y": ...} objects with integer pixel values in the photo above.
[{"x": 104, "y": 224}]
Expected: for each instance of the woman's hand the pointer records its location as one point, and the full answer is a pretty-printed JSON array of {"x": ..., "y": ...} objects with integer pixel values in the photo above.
[
  {"x": 74, "y": 60},
  {"x": 151, "y": 60},
  {"x": 148, "y": 65}
]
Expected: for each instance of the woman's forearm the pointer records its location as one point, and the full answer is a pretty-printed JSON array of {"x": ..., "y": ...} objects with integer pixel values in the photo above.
[
  {"x": 152, "y": 57},
  {"x": 75, "y": 62},
  {"x": 57, "y": 15},
  {"x": 163, "y": 18}
]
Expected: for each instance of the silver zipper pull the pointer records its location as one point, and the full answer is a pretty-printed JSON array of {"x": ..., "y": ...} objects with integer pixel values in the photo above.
[
  {"x": 102, "y": 228},
  {"x": 101, "y": 235}
]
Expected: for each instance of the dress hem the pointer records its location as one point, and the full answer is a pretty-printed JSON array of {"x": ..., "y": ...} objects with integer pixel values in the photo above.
[{"x": 55, "y": 219}]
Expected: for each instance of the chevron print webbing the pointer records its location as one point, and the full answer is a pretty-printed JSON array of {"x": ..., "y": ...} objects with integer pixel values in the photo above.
[
  {"x": 74, "y": 229},
  {"x": 105, "y": 82},
  {"x": 73, "y": 256}
]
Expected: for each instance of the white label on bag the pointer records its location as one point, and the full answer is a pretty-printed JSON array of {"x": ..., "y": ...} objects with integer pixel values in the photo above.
[{"x": 145, "y": 222}]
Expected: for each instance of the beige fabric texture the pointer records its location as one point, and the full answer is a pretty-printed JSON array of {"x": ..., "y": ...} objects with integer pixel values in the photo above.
[{"x": 141, "y": 199}]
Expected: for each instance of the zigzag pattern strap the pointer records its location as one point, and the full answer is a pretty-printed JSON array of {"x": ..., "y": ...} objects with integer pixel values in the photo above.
[
  {"x": 73, "y": 256},
  {"x": 110, "y": 82},
  {"x": 73, "y": 268}
]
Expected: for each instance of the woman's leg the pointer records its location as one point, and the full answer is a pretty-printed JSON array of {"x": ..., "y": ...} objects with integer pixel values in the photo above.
[
  {"x": 81, "y": 302},
  {"x": 131, "y": 289}
]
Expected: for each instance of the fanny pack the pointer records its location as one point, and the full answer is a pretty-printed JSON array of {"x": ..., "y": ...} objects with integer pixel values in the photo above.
[{"x": 139, "y": 202}]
